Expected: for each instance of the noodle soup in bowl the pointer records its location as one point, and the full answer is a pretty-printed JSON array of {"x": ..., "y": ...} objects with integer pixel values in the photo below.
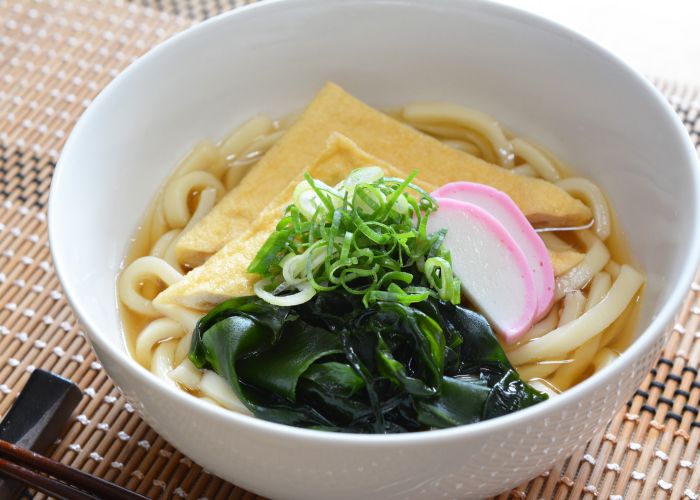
[{"x": 598, "y": 116}]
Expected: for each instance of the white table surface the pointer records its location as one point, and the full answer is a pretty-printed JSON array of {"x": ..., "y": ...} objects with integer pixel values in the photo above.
[{"x": 659, "y": 37}]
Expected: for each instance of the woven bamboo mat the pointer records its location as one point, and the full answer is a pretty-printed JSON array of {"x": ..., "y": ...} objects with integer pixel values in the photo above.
[{"x": 55, "y": 57}]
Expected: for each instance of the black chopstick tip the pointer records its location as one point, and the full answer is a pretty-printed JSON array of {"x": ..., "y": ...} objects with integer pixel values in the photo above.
[{"x": 38, "y": 416}]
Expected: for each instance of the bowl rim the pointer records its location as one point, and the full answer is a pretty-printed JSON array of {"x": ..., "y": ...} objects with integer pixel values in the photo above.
[{"x": 643, "y": 342}]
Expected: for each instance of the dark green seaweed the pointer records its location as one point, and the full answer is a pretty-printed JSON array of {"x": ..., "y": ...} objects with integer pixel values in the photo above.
[{"x": 333, "y": 364}]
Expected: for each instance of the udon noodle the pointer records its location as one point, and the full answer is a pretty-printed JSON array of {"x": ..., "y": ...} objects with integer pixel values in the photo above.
[{"x": 584, "y": 331}]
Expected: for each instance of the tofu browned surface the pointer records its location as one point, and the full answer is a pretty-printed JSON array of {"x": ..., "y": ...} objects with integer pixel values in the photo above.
[
  {"x": 225, "y": 275},
  {"x": 334, "y": 110},
  {"x": 565, "y": 260}
]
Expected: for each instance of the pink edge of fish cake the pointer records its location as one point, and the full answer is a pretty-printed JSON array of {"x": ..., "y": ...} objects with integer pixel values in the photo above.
[
  {"x": 503, "y": 208},
  {"x": 497, "y": 292}
]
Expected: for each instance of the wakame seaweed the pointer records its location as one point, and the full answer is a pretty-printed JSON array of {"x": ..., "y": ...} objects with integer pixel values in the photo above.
[{"x": 333, "y": 364}]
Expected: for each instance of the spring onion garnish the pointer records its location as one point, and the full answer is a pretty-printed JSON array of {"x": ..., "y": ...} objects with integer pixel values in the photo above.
[{"x": 366, "y": 235}]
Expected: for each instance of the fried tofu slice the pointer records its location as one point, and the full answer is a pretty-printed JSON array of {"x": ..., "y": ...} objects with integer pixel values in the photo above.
[
  {"x": 565, "y": 260},
  {"x": 334, "y": 110},
  {"x": 225, "y": 275}
]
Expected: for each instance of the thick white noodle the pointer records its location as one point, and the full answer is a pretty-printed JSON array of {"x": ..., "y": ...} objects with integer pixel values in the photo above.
[
  {"x": 156, "y": 224},
  {"x": 600, "y": 286},
  {"x": 177, "y": 193},
  {"x": 207, "y": 200},
  {"x": 571, "y": 309},
  {"x": 181, "y": 315},
  {"x": 201, "y": 158},
  {"x": 159, "y": 249},
  {"x": 593, "y": 262},
  {"x": 162, "y": 361},
  {"x": 582, "y": 357},
  {"x": 574, "y": 303},
  {"x": 525, "y": 170},
  {"x": 186, "y": 374},
  {"x": 236, "y": 172},
  {"x": 464, "y": 117},
  {"x": 217, "y": 388},
  {"x": 212, "y": 386},
  {"x": 546, "y": 325},
  {"x": 593, "y": 197},
  {"x": 288, "y": 120},
  {"x": 540, "y": 369},
  {"x": 240, "y": 166},
  {"x": 262, "y": 144},
  {"x": 156, "y": 331},
  {"x": 161, "y": 246},
  {"x": 612, "y": 268},
  {"x": 565, "y": 339},
  {"x": 537, "y": 161},
  {"x": 237, "y": 143},
  {"x": 171, "y": 255},
  {"x": 543, "y": 386},
  {"x": 618, "y": 331},
  {"x": 603, "y": 359},
  {"x": 208, "y": 400},
  {"x": 183, "y": 347},
  {"x": 554, "y": 242},
  {"x": 242, "y": 137},
  {"x": 484, "y": 147},
  {"x": 465, "y": 146},
  {"x": 140, "y": 271}
]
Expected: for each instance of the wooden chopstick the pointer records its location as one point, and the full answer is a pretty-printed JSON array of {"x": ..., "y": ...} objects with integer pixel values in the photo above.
[
  {"x": 39, "y": 482},
  {"x": 57, "y": 479}
]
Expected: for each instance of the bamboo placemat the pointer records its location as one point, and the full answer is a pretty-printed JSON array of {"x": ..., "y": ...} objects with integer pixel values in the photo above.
[{"x": 56, "y": 56}]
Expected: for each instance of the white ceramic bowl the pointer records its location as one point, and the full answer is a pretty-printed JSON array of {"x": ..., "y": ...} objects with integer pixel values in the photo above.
[{"x": 541, "y": 80}]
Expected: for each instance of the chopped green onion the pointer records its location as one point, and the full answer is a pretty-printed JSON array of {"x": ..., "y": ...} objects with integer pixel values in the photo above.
[
  {"x": 439, "y": 274},
  {"x": 365, "y": 175},
  {"x": 304, "y": 294},
  {"x": 367, "y": 235}
]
